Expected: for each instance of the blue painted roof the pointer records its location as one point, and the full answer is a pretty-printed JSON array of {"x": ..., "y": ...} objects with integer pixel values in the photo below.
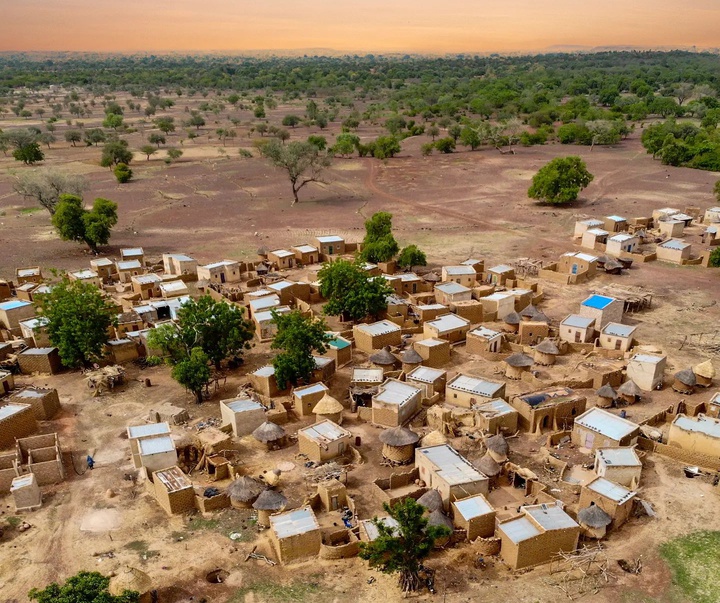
[{"x": 599, "y": 302}]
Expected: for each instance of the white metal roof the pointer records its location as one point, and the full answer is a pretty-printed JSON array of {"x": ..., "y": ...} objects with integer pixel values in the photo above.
[
  {"x": 408, "y": 277},
  {"x": 494, "y": 408},
  {"x": 35, "y": 323},
  {"x": 550, "y": 517},
  {"x": 330, "y": 239},
  {"x": 371, "y": 529},
  {"x": 258, "y": 293},
  {"x": 519, "y": 529},
  {"x": 367, "y": 375},
  {"x": 599, "y": 232},
  {"x": 701, "y": 424},
  {"x": 474, "y": 506},
  {"x": 674, "y": 244},
  {"x": 12, "y": 409},
  {"x": 128, "y": 265},
  {"x": 499, "y": 296},
  {"x": 321, "y": 361},
  {"x": 460, "y": 270},
  {"x": 475, "y": 385},
  {"x": 131, "y": 251},
  {"x": 451, "y": 288},
  {"x": 173, "y": 286},
  {"x": 267, "y": 316},
  {"x": 451, "y": 465},
  {"x": 305, "y": 248},
  {"x": 22, "y": 481},
  {"x": 325, "y": 431},
  {"x": 611, "y": 490},
  {"x": 149, "y": 430},
  {"x": 222, "y": 264},
  {"x": 471, "y": 262},
  {"x": 622, "y": 237},
  {"x": 431, "y": 343},
  {"x": 279, "y": 286},
  {"x": 84, "y": 274},
  {"x": 101, "y": 262},
  {"x": 396, "y": 392},
  {"x": 485, "y": 333},
  {"x": 243, "y": 405},
  {"x": 180, "y": 257},
  {"x": 156, "y": 445},
  {"x": 381, "y": 327},
  {"x": 425, "y": 374},
  {"x": 618, "y": 457},
  {"x": 592, "y": 222},
  {"x": 28, "y": 271},
  {"x": 265, "y": 371},
  {"x": 606, "y": 423},
  {"x": 269, "y": 301},
  {"x": 617, "y": 330},
  {"x": 448, "y": 322},
  {"x": 616, "y": 218},
  {"x": 146, "y": 279},
  {"x": 647, "y": 358},
  {"x": 501, "y": 268},
  {"x": 282, "y": 253},
  {"x": 307, "y": 390},
  {"x": 293, "y": 523}
]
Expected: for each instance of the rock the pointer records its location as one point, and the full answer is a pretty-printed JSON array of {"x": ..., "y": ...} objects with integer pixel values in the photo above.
[{"x": 110, "y": 493}]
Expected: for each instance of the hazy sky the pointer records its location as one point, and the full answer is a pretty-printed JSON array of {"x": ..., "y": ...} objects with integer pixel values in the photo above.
[{"x": 372, "y": 25}]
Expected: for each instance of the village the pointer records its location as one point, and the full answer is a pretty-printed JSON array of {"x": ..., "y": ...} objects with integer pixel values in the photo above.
[{"x": 526, "y": 432}]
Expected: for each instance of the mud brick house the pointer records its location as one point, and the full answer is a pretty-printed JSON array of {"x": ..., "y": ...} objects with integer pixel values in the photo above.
[
  {"x": 620, "y": 465},
  {"x": 282, "y": 258},
  {"x": 434, "y": 352},
  {"x": 295, "y": 534},
  {"x": 14, "y": 311},
  {"x": 34, "y": 331},
  {"x": 500, "y": 275},
  {"x": 598, "y": 428},
  {"x": 305, "y": 398},
  {"x": 712, "y": 215},
  {"x": 675, "y": 251},
  {"x": 45, "y": 402},
  {"x": 330, "y": 245},
  {"x": 603, "y": 309},
  {"x": 532, "y": 332},
  {"x": 375, "y": 336},
  {"x": 265, "y": 327},
  {"x": 581, "y": 226},
  {"x": 475, "y": 515},
  {"x": 444, "y": 469},
  {"x": 367, "y": 377},
  {"x": 578, "y": 263},
  {"x": 622, "y": 243},
  {"x": 306, "y": 254},
  {"x": 339, "y": 349},
  {"x": 447, "y": 293},
  {"x": 452, "y": 327},
  {"x": 31, "y": 274},
  {"x": 86, "y": 276},
  {"x": 169, "y": 289},
  {"x": 616, "y": 500},
  {"x": 500, "y": 304},
  {"x": 25, "y": 292},
  {"x": 173, "y": 490},
  {"x": 548, "y": 410},
  {"x": 323, "y": 441},
  {"x": 105, "y": 269},
  {"x": 483, "y": 340},
  {"x": 615, "y": 224},
  {"x": 395, "y": 403},
  {"x": 537, "y": 535},
  {"x": 128, "y": 322},
  {"x": 466, "y": 390},
  {"x": 462, "y": 275},
  {"x": 128, "y": 269},
  {"x": 496, "y": 416},
  {"x": 26, "y": 493},
  {"x": 179, "y": 264},
  {"x": 647, "y": 370},
  {"x": 285, "y": 290},
  {"x": 577, "y": 329},
  {"x": 477, "y": 265},
  {"x": 671, "y": 228},
  {"x": 225, "y": 271},
  {"x": 699, "y": 434},
  {"x": 430, "y": 380},
  {"x": 615, "y": 336},
  {"x": 471, "y": 310},
  {"x": 264, "y": 304},
  {"x": 133, "y": 253},
  {"x": 39, "y": 360},
  {"x": 42, "y": 456},
  {"x": 324, "y": 368},
  {"x": 16, "y": 421},
  {"x": 427, "y": 312},
  {"x": 263, "y": 380},
  {"x": 146, "y": 285},
  {"x": 593, "y": 238},
  {"x": 157, "y": 453},
  {"x": 119, "y": 351},
  {"x": 369, "y": 531},
  {"x": 141, "y": 432}
]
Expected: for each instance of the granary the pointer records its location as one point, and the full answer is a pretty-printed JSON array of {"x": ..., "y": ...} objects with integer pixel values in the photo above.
[
  {"x": 684, "y": 382},
  {"x": 629, "y": 392},
  {"x": 671, "y": 228},
  {"x": 295, "y": 534},
  {"x": 330, "y": 245},
  {"x": 620, "y": 465},
  {"x": 157, "y": 453},
  {"x": 141, "y": 432},
  {"x": 375, "y": 336},
  {"x": 328, "y": 408},
  {"x": 603, "y": 309},
  {"x": 244, "y": 491},
  {"x": 395, "y": 403},
  {"x": 170, "y": 289},
  {"x": 339, "y": 349},
  {"x": 462, "y": 275},
  {"x": 488, "y": 466},
  {"x": 512, "y": 321},
  {"x": 306, "y": 254},
  {"x": 39, "y": 360},
  {"x": 89, "y": 277},
  {"x": 430, "y": 380},
  {"x": 45, "y": 402},
  {"x": 133, "y": 253},
  {"x": 16, "y": 421},
  {"x": 435, "y": 352},
  {"x": 594, "y": 522},
  {"x": 14, "y": 311},
  {"x": 399, "y": 444},
  {"x": 439, "y": 519},
  {"x": 606, "y": 396},
  {"x": 495, "y": 416},
  {"x": 616, "y": 500},
  {"x": 265, "y": 326},
  {"x": 225, "y": 271},
  {"x": 704, "y": 374},
  {"x": 616, "y": 336},
  {"x": 26, "y": 494},
  {"x": 466, "y": 390},
  {"x": 179, "y": 264},
  {"x": 593, "y": 237},
  {"x": 475, "y": 515},
  {"x": 264, "y": 304},
  {"x": 446, "y": 470},
  {"x": 583, "y": 225},
  {"x": 243, "y": 414},
  {"x": 500, "y": 304},
  {"x": 497, "y": 448},
  {"x": 305, "y": 398},
  {"x": 105, "y": 268},
  {"x": 622, "y": 243},
  {"x": 368, "y": 528},
  {"x": 517, "y": 364},
  {"x": 34, "y": 331},
  {"x": 548, "y": 410},
  {"x": 615, "y": 223},
  {"x": 546, "y": 352},
  {"x": 410, "y": 360},
  {"x": 384, "y": 359},
  {"x": 537, "y": 535},
  {"x": 427, "y": 312},
  {"x": 122, "y": 350},
  {"x": 31, "y": 274},
  {"x": 483, "y": 340},
  {"x": 282, "y": 258},
  {"x": 270, "y": 434},
  {"x": 699, "y": 434},
  {"x": 432, "y": 501},
  {"x": 127, "y": 269},
  {"x": 323, "y": 441},
  {"x": 577, "y": 262},
  {"x": 647, "y": 370},
  {"x": 500, "y": 275},
  {"x": 173, "y": 490},
  {"x": 267, "y": 503},
  {"x": 132, "y": 579},
  {"x": 675, "y": 251},
  {"x": 449, "y": 326},
  {"x": 598, "y": 428},
  {"x": 263, "y": 380},
  {"x": 447, "y": 293}
]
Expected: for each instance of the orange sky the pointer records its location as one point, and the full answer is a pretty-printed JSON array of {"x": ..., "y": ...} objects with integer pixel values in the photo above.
[{"x": 355, "y": 25}]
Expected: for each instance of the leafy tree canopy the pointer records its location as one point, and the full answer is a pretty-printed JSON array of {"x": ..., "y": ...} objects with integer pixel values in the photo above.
[
  {"x": 560, "y": 181},
  {"x": 379, "y": 244},
  {"x": 83, "y": 587},
  {"x": 301, "y": 161},
  {"x": 298, "y": 337},
  {"x": 350, "y": 292},
  {"x": 411, "y": 256},
  {"x": 75, "y": 223}
]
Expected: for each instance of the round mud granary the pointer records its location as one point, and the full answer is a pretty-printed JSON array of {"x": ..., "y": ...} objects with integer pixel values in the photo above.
[
  {"x": 267, "y": 503},
  {"x": 629, "y": 392},
  {"x": 431, "y": 500},
  {"x": 497, "y": 448},
  {"x": 605, "y": 396},
  {"x": 489, "y": 467},
  {"x": 704, "y": 374},
  {"x": 684, "y": 382},
  {"x": 546, "y": 352},
  {"x": 399, "y": 444},
  {"x": 133, "y": 579},
  {"x": 270, "y": 434},
  {"x": 513, "y": 320},
  {"x": 328, "y": 408},
  {"x": 243, "y": 492},
  {"x": 384, "y": 359},
  {"x": 410, "y": 360},
  {"x": 594, "y": 521},
  {"x": 438, "y": 518},
  {"x": 516, "y": 365}
]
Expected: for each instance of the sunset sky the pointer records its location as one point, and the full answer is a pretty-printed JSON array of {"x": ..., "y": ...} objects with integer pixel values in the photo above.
[{"x": 353, "y": 25}]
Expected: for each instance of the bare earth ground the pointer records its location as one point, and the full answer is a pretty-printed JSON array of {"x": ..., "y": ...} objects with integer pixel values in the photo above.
[{"x": 455, "y": 206}]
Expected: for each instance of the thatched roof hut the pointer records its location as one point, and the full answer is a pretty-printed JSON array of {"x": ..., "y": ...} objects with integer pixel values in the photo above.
[
  {"x": 438, "y": 518},
  {"x": 243, "y": 491},
  {"x": 410, "y": 359},
  {"x": 497, "y": 448},
  {"x": 399, "y": 444},
  {"x": 612, "y": 266},
  {"x": 432, "y": 277},
  {"x": 528, "y": 312},
  {"x": 546, "y": 352},
  {"x": 488, "y": 466},
  {"x": 328, "y": 408},
  {"x": 431, "y": 500},
  {"x": 594, "y": 521},
  {"x": 384, "y": 358},
  {"x": 541, "y": 317},
  {"x": 269, "y": 433},
  {"x": 434, "y": 438},
  {"x": 684, "y": 382},
  {"x": 704, "y": 374},
  {"x": 606, "y": 396},
  {"x": 629, "y": 392},
  {"x": 130, "y": 578},
  {"x": 517, "y": 364},
  {"x": 268, "y": 502},
  {"x": 513, "y": 321}
]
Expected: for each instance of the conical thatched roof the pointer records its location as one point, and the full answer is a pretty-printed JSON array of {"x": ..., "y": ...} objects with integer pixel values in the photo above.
[
  {"x": 268, "y": 432},
  {"x": 244, "y": 489},
  {"x": 327, "y": 406},
  {"x": 130, "y": 578},
  {"x": 519, "y": 360},
  {"x": 512, "y": 319},
  {"x": 438, "y": 518},
  {"x": 629, "y": 389},
  {"x": 603, "y": 259},
  {"x": 399, "y": 436},
  {"x": 434, "y": 438},
  {"x": 686, "y": 377},
  {"x": 384, "y": 357},
  {"x": 497, "y": 444},
  {"x": 705, "y": 369},
  {"x": 270, "y": 500},
  {"x": 540, "y": 317},
  {"x": 487, "y": 465},
  {"x": 547, "y": 346},
  {"x": 606, "y": 391},
  {"x": 410, "y": 356},
  {"x": 432, "y": 277},
  {"x": 529, "y": 311},
  {"x": 594, "y": 517},
  {"x": 612, "y": 264},
  {"x": 431, "y": 500}
]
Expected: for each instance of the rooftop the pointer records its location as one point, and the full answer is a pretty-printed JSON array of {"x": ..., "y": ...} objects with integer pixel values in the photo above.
[
  {"x": 622, "y": 237},
  {"x": 146, "y": 279},
  {"x": 485, "y": 333},
  {"x": 501, "y": 268},
  {"x": 12, "y": 409},
  {"x": 451, "y": 288},
  {"x": 173, "y": 286},
  {"x": 265, "y": 371},
  {"x": 221, "y": 264},
  {"x": 101, "y": 262},
  {"x": 131, "y": 251},
  {"x": 598, "y": 302},
  {"x": 550, "y": 517},
  {"x": 617, "y": 330},
  {"x": 448, "y": 322},
  {"x": 647, "y": 358},
  {"x": 149, "y": 430},
  {"x": 34, "y": 323},
  {"x": 38, "y": 351},
  {"x": 450, "y": 465},
  {"x": 83, "y": 274},
  {"x": 459, "y": 270},
  {"x": 519, "y": 529},
  {"x": 599, "y": 232},
  {"x": 324, "y": 432},
  {"x": 494, "y": 408},
  {"x": 431, "y": 343},
  {"x": 474, "y": 506},
  {"x": 243, "y": 405},
  {"x": 701, "y": 424},
  {"x": 378, "y": 328},
  {"x": 367, "y": 375},
  {"x": 305, "y": 249},
  {"x": 618, "y": 457},
  {"x": 425, "y": 374},
  {"x": 616, "y": 218},
  {"x": 611, "y": 490},
  {"x": 282, "y": 253},
  {"x": 28, "y": 271},
  {"x": 396, "y": 392},
  {"x": 606, "y": 423},
  {"x": 674, "y": 244},
  {"x": 267, "y": 316},
  {"x": 173, "y": 479},
  {"x": 180, "y": 257},
  {"x": 293, "y": 523},
  {"x": 280, "y": 285},
  {"x": 13, "y": 304},
  {"x": 371, "y": 529},
  {"x": 330, "y": 239},
  {"x": 129, "y": 265},
  {"x": 475, "y": 385},
  {"x": 156, "y": 445},
  {"x": 264, "y": 302},
  {"x": 307, "y": 390},
  {"x": 548, "y": 397}
]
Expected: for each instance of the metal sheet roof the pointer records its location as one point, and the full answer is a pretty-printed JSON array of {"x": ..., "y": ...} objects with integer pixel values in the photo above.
[
  {"x": 281, "y": 285},
  {"x": 617, "y": 330},
  {"x": 146, "y": 279},
  {"x": 35, "y": 323},
  {"x": 501, "y": 268},
  {"x": 307, "y": 390},
  {"x": 149, "y": 430},
  {"x": 496, "y": 408},
  {"x": 265, "y": 371},
  {"x": 425, "y": 374},
  {"x": 598, "y": 302},
  {"x": 221, "y": 264},
  {"x": 599, "y": 232},
  {"x": 330, "y": 239},
  {"x": 459, "y": 270},
  {"x": 128, "y": 264},
  {"x": 12, "y": 409},
  {"x": 705, "y": 425},
  {"x": 519, "y": 530},
  {"x": 173, "y": 286},
  {"x": 264, "y": 302},
  {"x": 674, "y": 244},
  {"x": 157, "y": 445},
  {"x": 475, "y": 385},
  {"x": 396, "y": 392},
  {"x": 448, "y": 322},
  {"x": 606, "y": 423},
  {"x": 243, "y": 405},
  {"x": 305, "y": 249},
  {"x": 611, "y": 490},
  {"x": 431, "y": 343},
  {"x": 451, "y": 288},
  {"x": 268, "y": 315},
  {"x": 647, "y": 358},
  {"x": 577, "y": 321},
  {"x": 616, "y": 218},
  {"x": 293, "y": 523},
  {"x": 451, "y": 465},
  {"x": 475, "y": 506},
  {"x": 371, "y": 529},
  {"x": 325, "y": 431},
  {"x": 367, "y": 375},
  {"x": 622, "y": 237},
  {"x": 84, "y": 274},
  {"x": 282, "y": 253},
  {"x": 130, "y": 251},
  {"x": 485, "y": 333},
  {"x": 550, "y": 517},
  {"x": 379, "y": 328},
  {"x": 28, "y": 271},
  {"x": 13, "y": 304},
  {"x": 618, "y": 457}
]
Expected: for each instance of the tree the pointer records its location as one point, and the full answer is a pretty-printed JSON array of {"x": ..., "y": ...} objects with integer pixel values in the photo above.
[
  {"x": 174, "y": 154},
  {"x": 196, "y": 120},
  {"x": 433, "y": 131},
  {"x": 445, "y": 145},
  {"x": 73, "y": 136},
  {"x": 400, "y": 549},
  {"x": 454, "y": 132},
  {"x": 193, "y": 373},
  {"x": 224, "y": 133},
  {"x": 470, "y": 137},
  {"x": 75, "y": 223},
  {"x": 148, "y": 150},
  {"x": 113, "y": 121},
  {"x": 165, "y": 124},
  {"x": 411, "y": 256},
  {"x": 123, "y": 173},
  {"x": 114, "y": 152},
  {"x": 395, "y": 124},
  {"x": 156, "y": 139},
  {"x": 346, "y": 144},
  {"x": 319, "y": 141},
  {"x": 47, "y": 138},
  {"x": 350, "y": 292},
  {"x": 379, "y": 244},
  {"x": 83, "y": 587},
  {"x": 560, "y": 181},
  {"x": 714, "y": 261},
  {"x": 46, "y": 185},
  {"x": 290, "y": 121},
  {"x": 261, "y": 128},
  {"x": 79, "y": 318},
  {"x": 302, "y": 161},
  {"x": 29, "y": 153},
  {"x": 385, "y": 147},
  {"x": 94, "y": 136},
  {"x": 297, "y": 337}
]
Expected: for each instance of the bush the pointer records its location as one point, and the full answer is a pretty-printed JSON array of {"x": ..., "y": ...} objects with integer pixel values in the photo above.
[
  {"x": 123, "y": 173},
  {"x": 445, "y": 145}
]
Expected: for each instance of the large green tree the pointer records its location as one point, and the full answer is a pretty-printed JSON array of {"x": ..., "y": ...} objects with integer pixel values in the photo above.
[
  {"x": 114, "y": 152},
  {"x": 193, "y": 373},
  {"x": 350, "y": 292},
  {"x": 560, "y": 181},
  {"x": 83, "y": 587},
  {"x": 379, "y": 244},
  {"x": 298, "y": 337},
  {"x": 411, "y": 256},
  {"x": 401, "y": 549},
  {"x": 78, "y": 321},
  {"x": 75, "y": 223}
]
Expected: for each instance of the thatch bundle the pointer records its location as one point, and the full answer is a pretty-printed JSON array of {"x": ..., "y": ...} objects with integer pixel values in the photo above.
[
  {"x": 684, "y": 382},
  {"x": 629, "y": 392},
  {"x": 519, "y": 360},
  {"x": 704, "y": 373},
  {"x": 434, "y": 438},
  {"x": 268, "y": 432},
  {"x": 399, "y": 436},
  {"x": 410, "y": 356},
  {"x": 130, "y": 578},
  {"x": 606, "y": 396},
  {"x": 594, "y": 517},
  {"x": 431, "y": 500},
  {"x": 327, "y": 405},
  {"x": 512, "y": 319},
  {"x": 545, "y": 352},
  {"x": 270, "y": 500},
  {"x": 488, "y": 466}
]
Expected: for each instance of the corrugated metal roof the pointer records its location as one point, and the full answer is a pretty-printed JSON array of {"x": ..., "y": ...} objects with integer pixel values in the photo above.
[
  {"x": 519, "y": 530},
  {"x": 396, "y": 392},
  {"x": 84, "y": 274},
  {"x": 425, "y": 374},
  {"x": 28, "y": 271},
  {"x": 451, "y": 288},
  {"x": 496, "y": 408},
  {"x": 173, "y": 286},
  {"x": 451, "y": 465},
  {"x": 281, "y": 285},
  {"x": 12, "y": 409},
  {"x": 485, "y": 333},
  {"x": 381, "y": 327},
  {"x": 174, "y": 479},
  {"x": 325, "y": 431},
  {"x": 38, "y": 351},
  {"x": 475, "y": 506},
  {"x": 268, "y": 316},
  {"x": 321, "y": 361},
  {"x": 293, "y": 523},
  {"x": 367, "y": 375},
  {"x": 499, "y": 296},
  {"x": 156, "y": 445},
  {"x": 616, "y": 218},
  {"x": 598, "y": 302},
  {"x": 243, "y": 405},
  {"x": 264, "y": 302},
  {"x": 101, "y": 262},
  {"x": 265, "y": 371},
  {"x": 431, "y": 343},
  {"x": 129, "y": 265},
  {"x": 706, "y": 425},
  {"x": 459, "y": 270},
  {"x": 181, "y": 257},
  {"x": 592, "y": 222},
  {"x": 149, "y": 430},
  {"x": 550, "y": 517},
  {"x": 617, "y": 330},
  {"x": 307, "y": 390},
  {"x": 306, "y": 249},
  {"x": 282, "y": 253},
  {"x": 371, "y": 529},
  {"x": 448, "y": 322},
  {"x": 146, "y": 279},
  {"x": 619, "y": 457},
  {"x": 330, "y": 239},
  {"x": 598, "y": 232},
  {"x": 131, "y": 251},
  {"x": 221, "y": 264},
  {"x": 647, "y": 358},
  {"x": 674, "y": 244},
  {"x": 475, "y": 385},
  {"x": 501, "y": 268},
  {"x": 426, "y": 307},
  {"x": 611, "y": 490},
  {"x": 22, "y": 481},
  {"x": 35, "y": 323},
  {"x": 622, "y": 237},
  {"x": 606, "y": 423},
  {"x": 13, "y": 304}
]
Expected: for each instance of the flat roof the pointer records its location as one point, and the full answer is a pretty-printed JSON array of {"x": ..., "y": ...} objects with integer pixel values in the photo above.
[
  {"x": 264, "y": 302},
  {"x": 396, "y": 392},
  {"x": 181, "y": 257},
  {"x": 282, "y": 253},
  {"x": 451, "y": 288},
  {"x": 621, "y": 237},
  {"x": 305, "y": 248},
  {"x": 381, "y": 327},
  {"x": 597, "y": 232},
  {"x": 325, "y": 431},
  {"x": 149, "y": 430},
  {"x": 307, "y": 390},
  {"x": 425, "y": 374},
  {"x": 37, "y": 351},
  {"x": 485, "y": 333},
  {"x": 293, "y": 523},
  {"x": 146, "y": 279},
  {"x": 280, "y": 285},
  {"x": 265, "y": 371},
  {"x": 674, "y": 244},
  {"x": 494, "y": 408},
  {"x": 21, "y": 481},
  {"x": 451, "y": 465},
  {"x": 128, "y": 264},
  {"x": 222, "y": 264},
  {"x": 131, "y": 251},
  {"x": 591, "y": 222},
  {"x": 500, "y": 268},
  {"x": 32, "y": 392},
  {"x": 616, "y": 218},
  {"x": 577, "y": 321},
  {"x": 702, "y": 424},
  {"x": 551, "y": 396},
  {"x": 13, "y": 304},
  {"x": 371, "y": 529},
  {"x": 174, "y": 479},
  {"x": 84, "y": 274},
  {"x": 156, "y": 445},
  {"x": 550, "y": 517},
  {"x": 101, "y": 262},
  {"x": 330, "y": 239},
  {"x": 519, "y": 529},
  {"x": 475, "y": 385},
  {"x": 606, "y": 423},
  {"x": 611, "y": 490},
  {"x": 173, "y": 286},
  {"x": 373, "y": 375},
  {"x": 243, "y": 405},
  {"x": 647, "y": 358},
  {"x": 28, "y": 271},
  {"x": 448, "y": 322},
  {"x": 500, "y": 295},
  {"x": 431, "y": 342},
  {"x": 431, "y": 307},
  {"x": 598, "y": 302},
  {"x": 322, "y": 361},
  {"x": 618, "y": 330},
  {"x": 339, "y": 343},
  {"x": 12, "y": 409},
  {"x": 460, "y": 270},
  {"x": 474, "y": 506},
  {"x": 618, "y": 457},
  {"x": 267, "y": 315},
  {"x": 34, "y": 323}
]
